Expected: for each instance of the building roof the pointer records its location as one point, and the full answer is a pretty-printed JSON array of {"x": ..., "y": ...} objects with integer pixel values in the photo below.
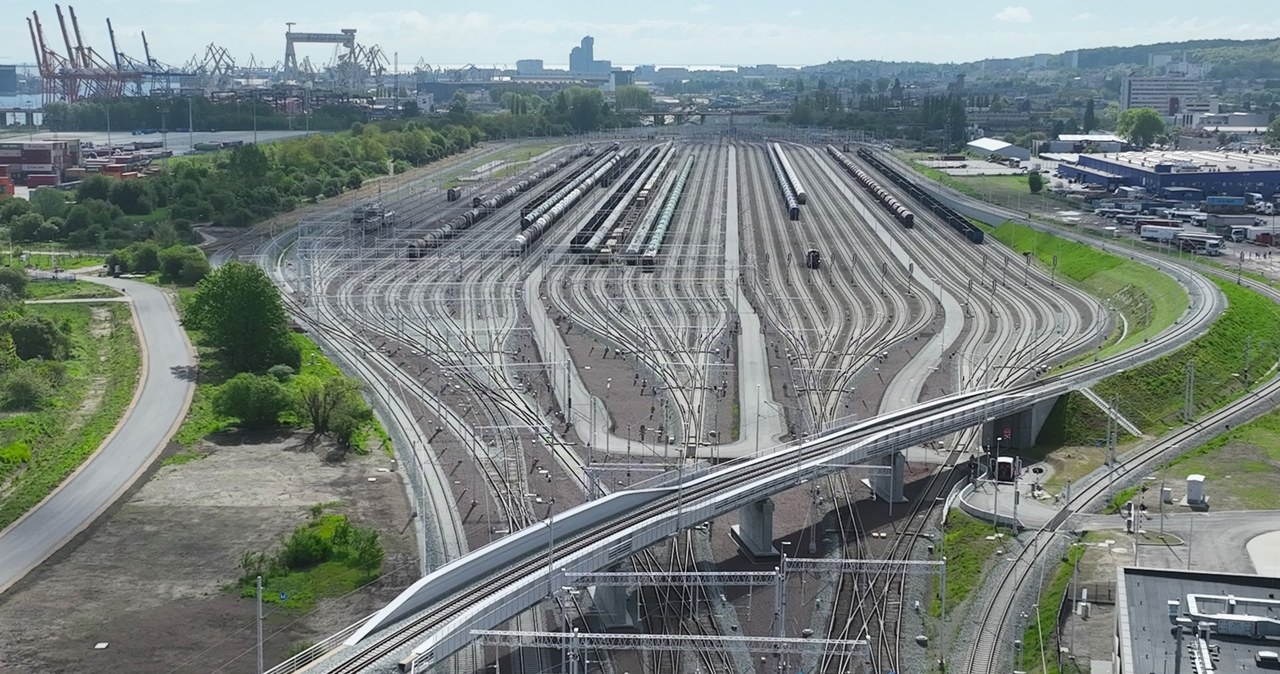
[
  {"x": 1143, "y": 597},
  {"x": 1193, "y": 161},
  {"x": 1090, "y": 138},
  {"x": 989, "y": 144}
]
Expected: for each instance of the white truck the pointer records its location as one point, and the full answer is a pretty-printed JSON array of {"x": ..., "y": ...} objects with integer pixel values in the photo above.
[{"x": 1159, "y": 233}]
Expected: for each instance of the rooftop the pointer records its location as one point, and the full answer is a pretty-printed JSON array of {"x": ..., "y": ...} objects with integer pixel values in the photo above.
[
  {"x": 1196, "y": 161},
  {"x": 1238, "y": 606},
  {"x": 1090, "y": 138},
  {"x": 989, "y": 144}
]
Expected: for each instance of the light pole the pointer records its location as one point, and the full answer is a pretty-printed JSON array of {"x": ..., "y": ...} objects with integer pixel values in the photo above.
[{"x": 757, "y": 419}]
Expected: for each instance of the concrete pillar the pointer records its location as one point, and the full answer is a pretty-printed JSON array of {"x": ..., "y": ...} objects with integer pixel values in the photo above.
[
  {"x": 618, "y": 606},
  {"x": 754, "y": 531},
  {"x": 1020, "y": 429},
  {"x": 889, "y": 486}
]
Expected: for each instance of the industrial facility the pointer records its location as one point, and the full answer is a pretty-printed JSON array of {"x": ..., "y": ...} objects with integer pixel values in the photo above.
[
  {"x": 1169, "y": 620},
  {"x": 1211, "y": 173}
]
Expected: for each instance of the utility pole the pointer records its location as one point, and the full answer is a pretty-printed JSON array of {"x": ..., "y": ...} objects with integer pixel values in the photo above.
[
  {"x": 259, "y": 593},
  {"x": 1188, "y": 405},
  {"x": 1248, "y": 343}
]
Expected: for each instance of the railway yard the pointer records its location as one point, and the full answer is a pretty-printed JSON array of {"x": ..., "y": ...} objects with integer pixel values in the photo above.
[{"x": 608, "y": 314}]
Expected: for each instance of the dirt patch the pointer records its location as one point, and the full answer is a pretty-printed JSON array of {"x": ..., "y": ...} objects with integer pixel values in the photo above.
[
  {"x": 100, "y": 323},
  {"x": 151, "y": 580}
]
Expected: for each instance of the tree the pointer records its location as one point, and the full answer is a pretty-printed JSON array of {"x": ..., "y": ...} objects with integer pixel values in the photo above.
[
  {"x": 1140, "y": 126},
  {"x": 48, "y": 202},
  {"x": 256, "y": 400},
  {"x": 1090, "y": 118},
  {"x": 239, "y": 312},
  {"x": 94, "y": 187},
  {"x": 322, "y": 402},
  {"x": 132, "y": 196},
  {"x": 183, "y": 264},
  {"x": 248, "y": 163},
  {"x": 14, "y": 280},
  {"x": 1035, "y": 181},
  {"x": 1273, "y": 132},
  {"x": 26, "y": 226},
  {"x": 39, "y": 337},
  {"x": 631, "y": 97},
  {"x": 12, "y": 209},
  {"x": 410, "y": 109}
]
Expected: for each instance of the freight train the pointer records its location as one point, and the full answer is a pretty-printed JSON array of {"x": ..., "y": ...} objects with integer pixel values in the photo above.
[
  {"x": 900, "y": 212},
  {"x": 531, "y": 232},
  {"x": 482, "y": 207},
  {"x": 650, "y": 257},
  {"x": 953, "y": 219}
]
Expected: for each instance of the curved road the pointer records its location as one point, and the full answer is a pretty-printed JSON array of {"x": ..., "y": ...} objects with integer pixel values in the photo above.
[{"x": 159, "y": 404}]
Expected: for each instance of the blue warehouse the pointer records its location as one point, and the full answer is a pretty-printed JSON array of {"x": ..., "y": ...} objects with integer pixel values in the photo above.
[{"x": 1177, "y": 173}]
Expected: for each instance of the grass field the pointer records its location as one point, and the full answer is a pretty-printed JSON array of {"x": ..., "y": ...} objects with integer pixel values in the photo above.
[
  {"x": 46, "y": 261},
  {"x": 98, "y": 384},
  {"x": 1235, "y": 351},
  {"x": 1242, "y": 465},
  {"x": 1040, "y": 650},
  {"x": 515, "y": 156},
  {"x": 1148, "y": 300},
  {"x": 203, "y": 420},
  {"x": 67, "y": 290},
  {"x": 968, "y": 545},
  {"x": 325, "y": 557}
]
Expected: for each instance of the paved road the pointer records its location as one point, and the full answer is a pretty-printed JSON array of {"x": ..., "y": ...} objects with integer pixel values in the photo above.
[{"x": 158, "y": 407}]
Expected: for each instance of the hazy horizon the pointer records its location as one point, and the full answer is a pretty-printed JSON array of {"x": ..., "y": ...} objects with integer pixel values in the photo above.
[{"x": 715, "y": 34}]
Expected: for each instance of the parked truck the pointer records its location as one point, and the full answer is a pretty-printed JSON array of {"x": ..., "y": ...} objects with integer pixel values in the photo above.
[{"x": 1159, "y": 233}]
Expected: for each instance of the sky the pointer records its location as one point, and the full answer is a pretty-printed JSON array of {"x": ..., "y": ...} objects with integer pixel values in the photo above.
[{"x": 670, "y": 32}]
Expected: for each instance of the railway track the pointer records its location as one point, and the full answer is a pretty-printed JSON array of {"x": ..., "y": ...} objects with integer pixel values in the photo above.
[{"x": 478, "y": 292}]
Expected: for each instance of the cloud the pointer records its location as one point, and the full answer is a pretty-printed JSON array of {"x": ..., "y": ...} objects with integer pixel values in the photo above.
[
  {"x": 1085, "y": 16},
  {"x": 700, "y": 8},
  {"x": 1014, "y": 15},
  {"x": 794, "y": 13}
]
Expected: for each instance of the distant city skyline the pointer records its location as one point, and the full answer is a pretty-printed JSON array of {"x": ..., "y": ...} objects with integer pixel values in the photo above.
[{"x": 711, "y": 32}]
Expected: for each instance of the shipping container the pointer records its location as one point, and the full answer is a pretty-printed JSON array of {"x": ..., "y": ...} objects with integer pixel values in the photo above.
[
  {"x": 1224, "y": 201},
  {"x": 42, "y": 180}
]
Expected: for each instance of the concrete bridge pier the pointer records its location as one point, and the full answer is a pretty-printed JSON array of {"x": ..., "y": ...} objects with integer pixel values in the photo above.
[
  {"x": 618, "y": 606},
  {"x": 1018, "y": 430},
  {"x": 889, "y": 485},
  {"x": 754, "y": 531}
]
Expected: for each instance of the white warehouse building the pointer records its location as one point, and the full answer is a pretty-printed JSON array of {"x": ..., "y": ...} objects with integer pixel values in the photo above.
[{"x": 990, "y": 146}]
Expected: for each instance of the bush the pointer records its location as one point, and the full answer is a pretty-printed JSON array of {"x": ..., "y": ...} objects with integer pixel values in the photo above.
[
  {"x": 39, "y": 337},
  {"x": 281, "y": 373},
  {"x": 255, "y": 400},
  {"x": 15, "y": 280},
  {"x": 24, "y": 389},
  {"x": 183, "y": 264},
  {"x": 305, "y": 548}
]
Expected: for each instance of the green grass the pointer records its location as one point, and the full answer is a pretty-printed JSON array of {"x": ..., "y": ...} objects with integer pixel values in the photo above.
[
  {"x": 184, "y": 457},
  {"x": 1243, "y": 464},
  {"x": 57, "y": 445},
  {"x": 1149, "y": 301},
  {"x": 315, "y": 363},
  {"x": 968, "y": 553},
  {"x": 1122, "y": 497},
  {"x": 333, "y": 566},
  {"x": 1038, "y": 641},
  {"x": 68, "y": 290},
  {"x": 515, "y": 155},
  {"x": 1152, "y": 395},
  {"x": 203, "y": 420},
  {"x": 63, "y": 259}
]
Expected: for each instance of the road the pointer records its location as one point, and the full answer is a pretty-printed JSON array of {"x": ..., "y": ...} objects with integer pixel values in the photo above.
[{"x": 159, "y": 405}]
